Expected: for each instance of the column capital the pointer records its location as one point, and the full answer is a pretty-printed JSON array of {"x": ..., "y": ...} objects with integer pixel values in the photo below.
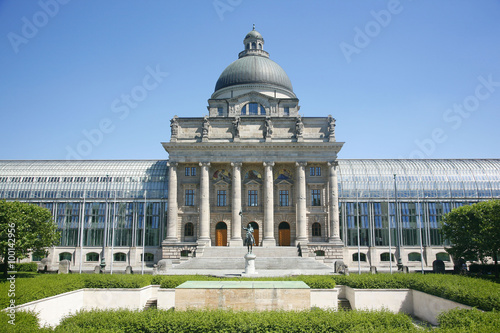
[
  {"x": 172, "y": 164},
  {"x": 301, "y": 164},
  {"x": 266, "y": 164},
  {"x": 204, "y": 164},
  {"x": 333, "y": 163},
  {"x": 236, "y": 164}
]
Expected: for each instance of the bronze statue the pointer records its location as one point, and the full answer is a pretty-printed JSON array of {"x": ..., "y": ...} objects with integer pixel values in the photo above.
[{"x": 249, "y": 241}]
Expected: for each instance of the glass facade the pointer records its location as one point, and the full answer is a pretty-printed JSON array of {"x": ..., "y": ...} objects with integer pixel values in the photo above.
[
  {"x": 377, "y": 196},
  {"x": 128, "y": 199},
  {"x": 86, "y": 196}
]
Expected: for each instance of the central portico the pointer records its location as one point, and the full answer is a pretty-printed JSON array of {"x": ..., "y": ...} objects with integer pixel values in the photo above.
[{"x": 253, "y": 160}]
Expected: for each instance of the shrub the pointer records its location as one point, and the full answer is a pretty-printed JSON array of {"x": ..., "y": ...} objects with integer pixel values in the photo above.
[
  {"x": 469, "y": 320},
  {"x": 229, "y": 321},
  {"x": 22, "y": 267}
]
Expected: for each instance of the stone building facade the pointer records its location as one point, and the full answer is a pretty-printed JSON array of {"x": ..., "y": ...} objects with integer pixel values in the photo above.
[{"x": 253, "y": 160}]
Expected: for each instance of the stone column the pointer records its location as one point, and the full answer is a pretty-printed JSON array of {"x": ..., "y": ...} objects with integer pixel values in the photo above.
[
  {"x": 204, "y": 238},
  {"x": 334, "y": 203},
  {"x": 268, "y": 240},
  {"x": 236, "y": 206},
  {"x": 172, "y": 203},
  {"x": 301, "y": 204}
]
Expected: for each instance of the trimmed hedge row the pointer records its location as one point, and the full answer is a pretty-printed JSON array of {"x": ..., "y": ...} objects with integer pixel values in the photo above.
[
  {"x": 474, "y": 292},
  {"x": 229, "y": 321},
  {"x": 470, "y": 291},
  {"x": 454, "y": 321},
  {"x": 22, "y": 267}
]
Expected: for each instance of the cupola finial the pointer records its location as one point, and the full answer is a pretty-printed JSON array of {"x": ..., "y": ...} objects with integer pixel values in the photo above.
[{"x": 254, "y": 26}]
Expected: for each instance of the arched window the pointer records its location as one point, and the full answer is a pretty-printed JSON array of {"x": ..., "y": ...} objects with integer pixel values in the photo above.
[
  {"x": 355, "y": 256},
  {"x": 254, "y": 46},
  {"x": 385, "y": 256},
  {"x": 253, "y": 109},
  {"x": 443, "y": 256},
  {"x": 120, "y": 256},
  {"x": 316, "y": 229},
  {"x": 414, "y": 256},
  {"x": 92, "y": 256},
  {"x": 185, "y": 253},
  {"x": 319, "y": 253},
  {"x": 248, "y": 46},
  {"x": 188, "y": 229},
  {"x": 65, "y": 256},
  {"x": 148, "y": 256}
]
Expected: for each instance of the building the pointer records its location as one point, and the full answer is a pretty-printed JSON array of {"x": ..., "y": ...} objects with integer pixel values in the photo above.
[{"x": 253, "y": 160}]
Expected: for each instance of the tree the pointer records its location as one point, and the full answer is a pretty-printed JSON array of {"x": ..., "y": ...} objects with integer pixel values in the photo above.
[
  {"x": 474, "y": 231},
  {"x": 25, "y": 228}
]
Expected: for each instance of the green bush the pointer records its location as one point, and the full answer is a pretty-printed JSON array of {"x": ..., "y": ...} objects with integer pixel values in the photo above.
[
  {"x": 463, "y": 320},
  {"x": 229, "y": 321},
  {"x": 22, "y": 267},
  {"x": 478, "y": 293}
]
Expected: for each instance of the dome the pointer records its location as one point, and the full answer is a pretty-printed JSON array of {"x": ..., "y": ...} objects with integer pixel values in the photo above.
[{"x": 254, "y": 69}]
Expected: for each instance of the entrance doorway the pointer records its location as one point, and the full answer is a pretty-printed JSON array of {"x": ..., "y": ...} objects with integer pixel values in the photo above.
[
  {"x": 284, "y": 234},
  {"x": 255, "y": 227},
  {"x": 221, "y": 234}
]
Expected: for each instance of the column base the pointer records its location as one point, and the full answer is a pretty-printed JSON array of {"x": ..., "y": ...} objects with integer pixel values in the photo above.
[
  {"x": 235, "y": 242},
  {"x": 335, "y": 241},
  {"x": 206, "y": 242},
  {"x": 270, "y": 242}
]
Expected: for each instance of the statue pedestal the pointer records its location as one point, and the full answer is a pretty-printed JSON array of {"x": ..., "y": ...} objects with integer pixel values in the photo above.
[{"x": 250, "y": 264}]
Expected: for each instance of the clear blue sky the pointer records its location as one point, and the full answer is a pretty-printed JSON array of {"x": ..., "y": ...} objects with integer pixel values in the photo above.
[{"x": 402, "y": 78}]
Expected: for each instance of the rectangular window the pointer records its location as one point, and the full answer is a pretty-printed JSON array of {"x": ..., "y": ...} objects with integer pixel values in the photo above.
[
  {"x": 221, "y": 198},
  {"x": 193, "y": 171},
  {"x": 220, "y": 111},
  {"x": 253, "y": 198},
  {"x": 315, "y": 171},
  {"x": 284, "y": 198},
  {"x": 315, "y": 197},
  {"x": 286, "y": 112},
  {"x": 189, "y": 198},
  {"x": 253, "y": 109}
]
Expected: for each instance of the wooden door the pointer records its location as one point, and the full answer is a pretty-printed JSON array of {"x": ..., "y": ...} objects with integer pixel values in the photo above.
[
  {"x": 221, "y": 234},
  {"x": 284, "y": 234},
  {"x": 255, "y": 227}
]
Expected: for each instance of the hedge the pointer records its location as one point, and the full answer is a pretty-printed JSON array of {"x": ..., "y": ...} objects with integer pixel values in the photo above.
[
  {"x": 22, "y": 267},
  {"x": 470, "y": 291},
  {"x": 229, "y": 321}
]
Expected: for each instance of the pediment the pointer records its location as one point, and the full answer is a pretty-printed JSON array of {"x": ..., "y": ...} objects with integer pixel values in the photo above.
[
  {"x": 252, "y": 182},
  {"x": 221, "y": 182},
  {"x": 283, "y": 182}
]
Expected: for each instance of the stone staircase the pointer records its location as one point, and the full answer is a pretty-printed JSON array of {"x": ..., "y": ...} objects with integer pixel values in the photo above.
[
  {"x": 343, "y": 303},
  {"x": 151, "y": 303},
  {"x": 275, "y": 261}
]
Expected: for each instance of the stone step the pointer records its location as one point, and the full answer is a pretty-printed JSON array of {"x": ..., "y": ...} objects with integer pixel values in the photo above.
[
  {"x": 344, "y": 304},
  {"x": 296, "y": 263},
  {"x": 151, "y": 303},
  {"x": 240, "y": 251}
]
